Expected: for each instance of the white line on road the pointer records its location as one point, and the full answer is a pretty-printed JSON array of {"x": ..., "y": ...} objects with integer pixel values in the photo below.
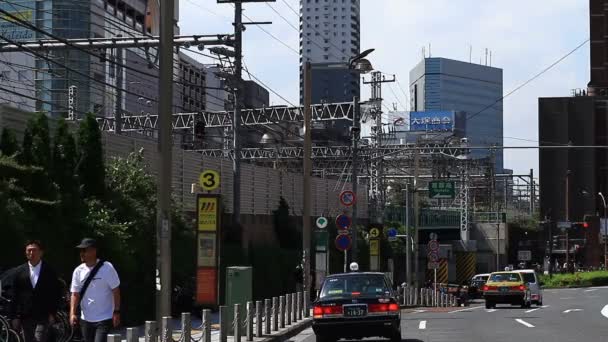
[
  {"x": 422, "y": 325},
  {"x": 566, "y": 297},
  {"x": 605, "y": 311},
  {"x": 532, "y": 310},
  {"x": 545, "y": 306},
  {"x": 590, "y": 290},
  {"x": 468, "y": 309},
  {"x": 521, "y": 321},
  {"x": 491, "y": 310},
  {"x": 419, "y": 311},
  {"x": 572, "y": 310}
]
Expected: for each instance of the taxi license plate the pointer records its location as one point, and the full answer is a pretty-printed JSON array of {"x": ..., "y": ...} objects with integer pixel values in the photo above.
[
  {"x": 504, "y": 289},
  {"x": 355, "y": 310}
]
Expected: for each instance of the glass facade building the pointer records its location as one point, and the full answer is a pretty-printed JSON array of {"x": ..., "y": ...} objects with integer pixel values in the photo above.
[{"x": 443, "y": 84}]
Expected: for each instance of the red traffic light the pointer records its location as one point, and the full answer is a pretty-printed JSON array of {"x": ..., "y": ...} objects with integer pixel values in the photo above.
[{"x": 585, "y": 225}]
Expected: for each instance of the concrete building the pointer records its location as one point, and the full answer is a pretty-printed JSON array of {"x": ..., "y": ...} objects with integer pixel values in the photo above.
[
  {"x": 440, "y": 84},
  {"x": 330, "y": 35},
  {"x": 191, "y": 87},
  {"x": 59, "y": 91}
]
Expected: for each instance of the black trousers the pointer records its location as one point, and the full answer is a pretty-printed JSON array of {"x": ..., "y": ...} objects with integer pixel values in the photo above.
[{"x": 95, "y": 331}]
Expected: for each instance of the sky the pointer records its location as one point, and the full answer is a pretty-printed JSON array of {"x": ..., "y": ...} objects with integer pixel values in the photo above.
[{"x": 525, "y": 37}]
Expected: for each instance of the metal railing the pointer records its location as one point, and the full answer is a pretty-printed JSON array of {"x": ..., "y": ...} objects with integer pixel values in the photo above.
[
  {"x": 425, "y": 297},
  {"x": 261, "y": 318}
]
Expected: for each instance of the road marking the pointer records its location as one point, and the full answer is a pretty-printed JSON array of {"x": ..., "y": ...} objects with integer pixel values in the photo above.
[
  {"x": 572, "y": 310},
  {"x": 590, "y": 290},
  {"x": 419, "y": 311},
  {"x": 491, "y": 310},
  {"x": 545, "y": 306},
  {"x": 532, "y": 310},
  {"x": 521, "y": 321},
  {"x": 605, "y": 311},
  {"x": 566, "y": 297},
  {"x": 468, "y": 309},
  {"x": 422, "y": 325}
]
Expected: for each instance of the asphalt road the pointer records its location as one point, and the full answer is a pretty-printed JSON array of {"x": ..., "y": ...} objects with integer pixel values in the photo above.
[{"x": 569, "y": 315}]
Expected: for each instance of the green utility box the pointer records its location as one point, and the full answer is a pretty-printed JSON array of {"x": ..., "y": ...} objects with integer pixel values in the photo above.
[{"x": 239, "y": 290}]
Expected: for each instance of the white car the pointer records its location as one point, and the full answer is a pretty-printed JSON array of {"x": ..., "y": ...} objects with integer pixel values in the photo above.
[{"x": 536, "y": 291}]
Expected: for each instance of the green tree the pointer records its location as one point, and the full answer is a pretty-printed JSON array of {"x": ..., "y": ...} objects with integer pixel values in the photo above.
[
  {"x": 8, "y": 142},
  {"x": 64, "y": 157},
  {"x": 90, "y": 167}
]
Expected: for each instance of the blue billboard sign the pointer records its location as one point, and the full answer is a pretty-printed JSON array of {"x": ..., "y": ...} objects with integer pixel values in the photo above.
[{"x": 432, "y": 121}]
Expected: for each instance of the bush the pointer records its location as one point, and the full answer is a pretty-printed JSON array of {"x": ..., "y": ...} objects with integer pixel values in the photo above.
[{"x": 579, "y": 279}]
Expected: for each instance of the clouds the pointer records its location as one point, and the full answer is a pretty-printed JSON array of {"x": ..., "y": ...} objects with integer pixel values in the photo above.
[{"x": 525, "y": 36}]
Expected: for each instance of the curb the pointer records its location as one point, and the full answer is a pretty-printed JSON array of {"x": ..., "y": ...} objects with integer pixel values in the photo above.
[{"x": 289, "y": 332}]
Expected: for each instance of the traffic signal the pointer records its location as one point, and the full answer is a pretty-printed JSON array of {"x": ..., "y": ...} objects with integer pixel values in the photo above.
[{"x": 583, "y": 225}]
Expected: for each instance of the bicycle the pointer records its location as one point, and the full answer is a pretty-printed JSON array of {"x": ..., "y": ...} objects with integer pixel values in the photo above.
[{"x": 7, "y": 333}]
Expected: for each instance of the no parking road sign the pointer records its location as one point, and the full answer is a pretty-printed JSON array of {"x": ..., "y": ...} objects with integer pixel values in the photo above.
[
  {"x": 343, "y": 242},
  {"x": 347, "y": 198}
]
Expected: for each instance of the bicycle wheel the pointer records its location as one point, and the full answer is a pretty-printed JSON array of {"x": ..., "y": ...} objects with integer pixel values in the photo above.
[
  {"x": 4, "y": 329},
  {"x": 61, "y": 329},
  {"x": 14, "y": 336}
]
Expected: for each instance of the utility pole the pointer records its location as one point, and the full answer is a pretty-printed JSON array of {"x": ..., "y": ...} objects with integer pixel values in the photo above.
[
  {"x": 119, "y": 85},
  {"x": 532, "y": 192},
  {"x": 307, "y": 166},
  {"x": 165, "y": 146},
  {"x": 238, "y": 89},
  {"x": 408, "y": 244},
  {"x": 356, "y": 132},
  {"x": 568, "y": 217},
  {"x": 416, "y": 217},
  {"x": 236, "y": 119},
  {"x": 377, "y": 166}
]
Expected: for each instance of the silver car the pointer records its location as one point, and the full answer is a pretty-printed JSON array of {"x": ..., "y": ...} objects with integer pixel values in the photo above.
[{"x": 535, "y": 286}]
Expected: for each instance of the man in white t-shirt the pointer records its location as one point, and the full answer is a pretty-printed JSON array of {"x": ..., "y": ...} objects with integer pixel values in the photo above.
[{"x": 100, "y": 303}]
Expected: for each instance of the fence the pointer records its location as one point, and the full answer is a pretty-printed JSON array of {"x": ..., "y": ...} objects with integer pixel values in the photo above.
[
  {"x": 261, "y": 318},
  {"x": 426, "y": 297}
]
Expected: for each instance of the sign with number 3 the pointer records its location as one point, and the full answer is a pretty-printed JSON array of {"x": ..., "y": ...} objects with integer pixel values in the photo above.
[{"x": 209, "y": 180}]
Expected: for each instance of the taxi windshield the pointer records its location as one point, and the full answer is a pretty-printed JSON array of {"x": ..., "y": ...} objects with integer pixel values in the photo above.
[
  {"x": 349, "y": 286},
  {"x": 500, "y": 277}
]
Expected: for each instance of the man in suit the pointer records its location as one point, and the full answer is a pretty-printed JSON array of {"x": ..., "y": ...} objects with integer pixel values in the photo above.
[{"x": 36, "y": 295}]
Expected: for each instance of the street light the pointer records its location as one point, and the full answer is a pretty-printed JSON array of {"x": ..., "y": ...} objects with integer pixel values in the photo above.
[
  {"x": 361, "y": 65},
  {"x": 605, "y": 230}
]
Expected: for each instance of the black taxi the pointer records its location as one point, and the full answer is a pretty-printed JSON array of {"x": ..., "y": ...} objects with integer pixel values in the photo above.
[{"x": 356, "y": 305}]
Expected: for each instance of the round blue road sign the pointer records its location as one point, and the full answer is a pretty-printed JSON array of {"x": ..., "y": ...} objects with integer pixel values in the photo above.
[
  {"x": 343, "y": 222},
  {"x": 343, "y": 242},
  {"x": 392, "y": 232}
]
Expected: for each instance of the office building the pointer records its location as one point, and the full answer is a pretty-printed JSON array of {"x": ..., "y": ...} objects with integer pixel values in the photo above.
[
  {"x": 90, "y": 85},
  {"x": 329, "y": 36},
  {"x": 441, "y": 84}
]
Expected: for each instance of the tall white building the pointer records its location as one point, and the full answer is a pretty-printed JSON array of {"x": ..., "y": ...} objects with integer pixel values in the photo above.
[{"x": 330, "y": 34}]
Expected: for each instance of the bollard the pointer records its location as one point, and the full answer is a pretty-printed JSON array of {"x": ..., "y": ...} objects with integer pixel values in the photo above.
[
  {"x": 236, "y": 323},
  {"x": 299, "y": 306},
  {"x": 165, "y": 330},
  {"x": 150, "y": 332},
  {"x": 223, "y": 323},
  {"x": 275, "y": 314},
  {"x": 267, "y": 309},
  {"x": 249, "y": 321},
  {"x": 288, "y": 308},
  {"x": 186, "y": 326},
  {"x": 258, "y": 318},
  {"x": 114, "y": 338},
  {"x": 282, "y": 311},
  {"x": 294, "y": 314},
  {"x": 306, "y": 304},
  {"x": 206, "y": 326},
  {"x": 132, "y": 335}
]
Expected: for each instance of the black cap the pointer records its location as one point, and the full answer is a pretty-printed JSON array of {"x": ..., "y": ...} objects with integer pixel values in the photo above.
[{"x": 86, "y": 243}]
